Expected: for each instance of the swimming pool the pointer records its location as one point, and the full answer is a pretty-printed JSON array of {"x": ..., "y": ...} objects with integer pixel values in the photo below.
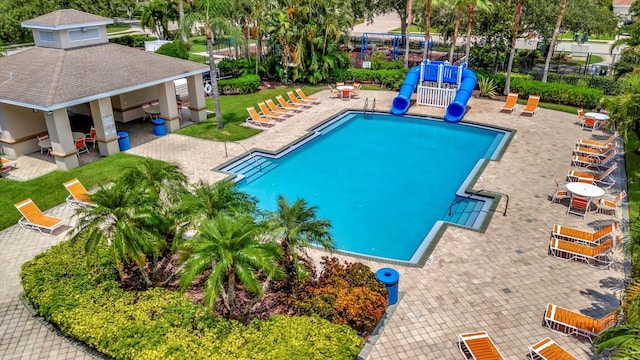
[{"x": 386, "y": 183}]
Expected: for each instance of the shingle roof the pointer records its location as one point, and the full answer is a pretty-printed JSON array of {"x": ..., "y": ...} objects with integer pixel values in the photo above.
[
  {"x": 66, "y": 18},
  {"x": 622, "y": 2},
  {"x": 50, "y": 79}
]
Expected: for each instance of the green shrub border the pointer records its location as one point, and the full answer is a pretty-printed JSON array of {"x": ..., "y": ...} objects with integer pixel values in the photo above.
[
  {"x": 163, "y": 323},
  {"x": 245, "y": 84}
]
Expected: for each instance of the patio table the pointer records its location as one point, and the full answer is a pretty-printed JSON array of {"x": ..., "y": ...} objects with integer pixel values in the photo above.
[{"x": 585, "y": 189}]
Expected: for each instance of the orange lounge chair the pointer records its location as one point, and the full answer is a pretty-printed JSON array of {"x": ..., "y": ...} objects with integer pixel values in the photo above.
[
  {"x": 592, "y": 152},
  {"x": 610, "y": 206},
  {"x": 296, "y": 101},
  {"x": 273, "y": 107},
  {"x": 594, "y": 256},
  {"x": 78, "y": 195},
  {"x": 613, "y": 141},
  {"x": 7, "y": 164},
  {"x": 257, "y": 120},
  {"x": 285, "y": 105},
  {"x": 611, "y": 231},
  {"x": 266, "y": 112},
  {"x": 548, "y": 349},
  {"x": 604, "y": 179},
  {"x": 478, "y": 346},
  {"x": 594, "y": 162},
  {"x": 304, "y": 97},
  {"x": 511, "y": 104},
  {"x": 569, "y": 322},
  {"x": 34, "y": 218},
  {"x": 532, "y": 105}
]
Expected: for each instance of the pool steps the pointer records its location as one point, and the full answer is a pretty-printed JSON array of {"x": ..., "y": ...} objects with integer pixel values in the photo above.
[
  {"x": 252, "y": 168},
  {"x": 465, "y": 212}
]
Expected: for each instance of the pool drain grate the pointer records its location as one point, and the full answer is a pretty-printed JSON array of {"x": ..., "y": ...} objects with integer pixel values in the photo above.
[{"x": 506, "y": 290}]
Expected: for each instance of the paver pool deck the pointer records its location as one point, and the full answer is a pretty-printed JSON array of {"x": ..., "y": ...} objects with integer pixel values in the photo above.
[{"x": 498, "y": 281}]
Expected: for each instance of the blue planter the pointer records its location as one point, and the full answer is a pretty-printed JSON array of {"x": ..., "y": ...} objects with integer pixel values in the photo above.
[
  {"x": 159, "y": 127},
  {"x": 390, "y": 278},
  {"x": 123, "y": 141}
]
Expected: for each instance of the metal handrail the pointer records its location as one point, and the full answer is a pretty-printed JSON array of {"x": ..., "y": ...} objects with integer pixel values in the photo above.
[
  {"x": 366, "y": 104},
  {"x": 506, "y": 206},
  {"x": 462, "y": 199},
  {"x": 245, "y": 150},
  {"x": 373, "y": 107}
]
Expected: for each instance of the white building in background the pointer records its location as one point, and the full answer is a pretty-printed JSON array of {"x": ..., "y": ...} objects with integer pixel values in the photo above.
[{"x": 621, "y": 7}]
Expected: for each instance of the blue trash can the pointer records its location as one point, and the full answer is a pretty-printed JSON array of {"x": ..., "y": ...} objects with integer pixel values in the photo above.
[
  {"x": 123, "y": 141},
  {"x": 390, "y": 278},
  {"x": 159, "y": 127}
]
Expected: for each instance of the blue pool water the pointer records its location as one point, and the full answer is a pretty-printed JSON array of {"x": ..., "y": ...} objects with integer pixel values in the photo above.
[{"x": 382, "y": 181}]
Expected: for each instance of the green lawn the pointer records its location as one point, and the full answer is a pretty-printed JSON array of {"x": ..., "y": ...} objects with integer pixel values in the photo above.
[
  {"x": 114, "y": 28},
  {"x": 47, "y": 191},
  {"x": 234, "y": 113}
]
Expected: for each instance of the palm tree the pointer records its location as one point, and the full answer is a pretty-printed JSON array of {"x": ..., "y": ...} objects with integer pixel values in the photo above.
[
  {"x": 554, "y": 37},
  {"x": 124, "y": 220},
  {"x": 459, "y": 5},
  {"x": 210, "y": 14},
  {"x": 512, "y": 52},
  {"x": 228, "y": 247},
  {"x": 298, "y": 226},
  {"x": 624, "y": 108},
  {"x": 157, "y": 14},
  {"x": 206, "y": 201},
  {"x": 164, "y": 180},
  {"x": 406, "y": 36},
  {"x": 427, "y": 29},
  {"x": 472, "y": 4}
]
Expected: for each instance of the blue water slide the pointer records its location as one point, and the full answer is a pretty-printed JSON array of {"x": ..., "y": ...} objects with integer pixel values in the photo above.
[
  {"x": 455, "y": 110},
  {"x": 400, "y": 103}
]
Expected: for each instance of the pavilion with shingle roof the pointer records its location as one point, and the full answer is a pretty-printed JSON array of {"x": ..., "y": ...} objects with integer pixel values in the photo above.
[{"x": 73, "y": 66}]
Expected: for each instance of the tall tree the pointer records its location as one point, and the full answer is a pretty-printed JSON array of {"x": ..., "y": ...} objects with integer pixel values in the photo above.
[
  {"x": 210, "y": 13},
  {"x": 554, "y": 37},
  {"x": 228, "y": 247},
  {"x": 407, "y": 39},
  {"x": 297, "y": 227},
  {"x": 512, "y": 51},
  {"x": 458, "y": 5},
  {"x": 427, "y": 29},
  {"x": 471, "y": 6},
  {"x": 157, "y": 14}
]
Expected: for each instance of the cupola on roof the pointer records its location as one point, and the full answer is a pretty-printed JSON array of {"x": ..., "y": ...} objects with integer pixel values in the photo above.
[{"x": 66, "y": 19}]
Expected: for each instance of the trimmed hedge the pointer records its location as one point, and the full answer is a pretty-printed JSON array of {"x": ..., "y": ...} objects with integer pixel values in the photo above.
[
  {"x": 245, "y": 84},
  {"x": 564, "y": 94},
  {"x": 391, "y": 78},
  {"x": 86, "y": 302},
  {"x": 132, "y": 40}
]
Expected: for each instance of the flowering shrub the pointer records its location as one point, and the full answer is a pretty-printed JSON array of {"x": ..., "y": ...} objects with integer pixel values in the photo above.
[{"x": 346, "y": 294}]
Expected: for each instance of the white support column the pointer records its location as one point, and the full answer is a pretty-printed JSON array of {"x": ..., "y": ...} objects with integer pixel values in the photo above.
[
  {"x": 440, "y": 73},
  {"x": 196, "y": 98},
  {"x": 168, "y": 106},
  {"x": 64, "y": 148},
  {"x": 102, "y": 114}
]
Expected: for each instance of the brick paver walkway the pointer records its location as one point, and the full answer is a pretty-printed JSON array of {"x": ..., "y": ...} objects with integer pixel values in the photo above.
[{"x": 499, "y": 281}]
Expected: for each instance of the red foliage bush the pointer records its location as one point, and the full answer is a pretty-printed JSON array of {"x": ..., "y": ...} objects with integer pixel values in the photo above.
[{"x": 344, "y": 294}]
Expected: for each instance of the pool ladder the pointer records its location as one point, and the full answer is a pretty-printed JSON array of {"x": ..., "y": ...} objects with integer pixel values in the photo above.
[
  {"x": 366, "y": 106},
  {"x": 256, "y": 162}
]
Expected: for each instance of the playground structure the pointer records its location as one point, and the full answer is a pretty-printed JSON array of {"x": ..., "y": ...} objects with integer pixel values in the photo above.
[
  {"x": 391, "y": 44},
  {"x": 441, "y": 85}
]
